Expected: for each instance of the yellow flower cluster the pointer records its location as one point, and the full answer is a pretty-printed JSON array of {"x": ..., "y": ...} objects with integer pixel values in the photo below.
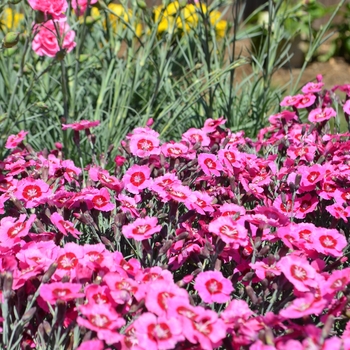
[
  {"x": 184, "y": 18},
  {"x": 10, "y": 19}
]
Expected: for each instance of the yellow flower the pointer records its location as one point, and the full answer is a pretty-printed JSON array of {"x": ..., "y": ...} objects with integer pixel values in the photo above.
[
  {"x": 10, "y": 19},
  {"x": 121, "y": 16},
  {"x": 219, "y": 24},
  {"x": 188, "y": 18}
]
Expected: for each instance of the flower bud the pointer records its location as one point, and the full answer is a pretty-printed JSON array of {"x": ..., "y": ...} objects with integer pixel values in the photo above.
[
  {"x": 28, "y": 315},
  {"x": 49, "y": 273},
  {"x": 141, "y": 4},
  {"x": 11, "y": 39}
]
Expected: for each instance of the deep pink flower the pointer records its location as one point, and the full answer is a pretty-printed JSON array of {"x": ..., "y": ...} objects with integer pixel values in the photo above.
[
  {"x": 129, "y": 204},
  {"x": 329, "y": 242},
  {"x": 298, "y": 271},
  {"x": 210, "y": 125},
  {"x": 285, "y": 206},
  {"x": 321, "y": 114},
  {"x": 338, "y": 211},
  {"x": 154, "y": 332},
  {"x": 267, "y": 216},
  {"x": 196, "y": 135},
  {"x": 99, "y": 174},
  {"x": 68, "y": 259},
  {"x": 31, "y": 191},
  {"x": 346, "y": 107},
  {"x": 310, "y": 176},
  {"x": 180, "y": 193},
  {"x": 212, "y": 287},
  {"x": 94, "y": 344},
  {"x": 176, "y": 150},
  {"x": 96, "y": 294},
  {"x": 305, "y": 101},
  {"x": 264, "y": 269},
  {"x": 60, "y": 291},
  {"x": 230, "y": 158},
  {"x": 81, "y": 125},
  {"x": 232, "y": 210},
  {"x": 143, "y": 145},
  {"x": 80, "y": 6},
  {"x": 14, "y": 140},
  {"x": 337, "y": 281},
  {"x": 11, "y": 229},
  {"x": 202, "y": 203},
  {"x": 291, "y": 100},
  {"x": 65, "y": 227},
  {"x": 209, "y": 164},
  {"x": 100, "y": 200},
  {"x": 305, "y": 204},
  {"x": 141, "y": 229},
  {"x": 46, "y": 43},
  {"x": 229, "y": 231},
  {"x": 237, "y": 312},
  {"x": 137, "y": 178},
  {"x": 55, "y": 8},
  {"x": 312, "y": 87}
]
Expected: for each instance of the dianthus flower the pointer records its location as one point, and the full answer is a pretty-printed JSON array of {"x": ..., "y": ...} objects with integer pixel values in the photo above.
[
  {"x": 141, "y": 228},
  {"x": 81, "y": 125}
]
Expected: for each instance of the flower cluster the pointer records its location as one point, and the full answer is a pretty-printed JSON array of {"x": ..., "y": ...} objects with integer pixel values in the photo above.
[{"x": 214, "y": 240}]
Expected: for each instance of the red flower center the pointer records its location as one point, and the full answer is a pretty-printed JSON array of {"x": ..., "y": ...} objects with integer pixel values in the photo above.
[
  {"x": 312, "y": 177},
  {"x": 229, "y": 231},
  {"x": 305, "y": 234},
  {"x": 210, "y": 163},
  {"x": 16, "y": 229},
  {"x": 100, "y": 321},
  {"x": 137, "y": 178},
  {"x": 203, "y": 327},
  {"x": 159, "y": 331},
  {"x": 100, "y": 298},
  {"x": 328, "y": 241},
  {"x": 184, "y": 311},
  {"x": 67, "y": 261},
  {"x": 31, "y": 191},
  {"x": 213, "y": 286},
  {"x": 162, "y": 298},
  {"x": 99, "y": 201},
  {"x": 60, "y": 292},
  {"x": 175, "y": 151},
  {"x": 230, "y": 156},
  {"x": 141, "y": 229},
  {"x": 298, "y": 272},
  {"x": 95, "y": 257},
  {"x": 286, "y": 207},
  {"x": 305, "y": 205},
  {"x": 339, "y": 283},
  {"x": 145, "y": 145}
]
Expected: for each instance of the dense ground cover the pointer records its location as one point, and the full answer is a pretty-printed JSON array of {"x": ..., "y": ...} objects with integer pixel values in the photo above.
[{"x": 214, "y": 240}]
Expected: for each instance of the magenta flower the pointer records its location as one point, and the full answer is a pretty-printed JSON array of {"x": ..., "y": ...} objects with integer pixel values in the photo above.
[
  {"x": 176, "y": 150},
  {"x": 291, "y": 100},
  {"x": 60, "y": 291},
  {"x": 14, "y": 140},
  {"x": 311, "y": 175},
  {"x": 80, "y": 6},
  {"x": 209, "y": 164},
  {"x": 338, "y": 211},
  {"x": 81, "y": 125},
  {"x": 137, "y": 178},
  {"x": 96, "y": 294},
  {"x": 202, "y": 203},
  {"x": 154, "y": 332},
  {"x": 94, "y": 344},
  {"x": 129, "y": 204},
  {"x": 212, "y": 287},
  {"x": 237, "y": 312},
  {"x": 196, "y": 135},
  {"x": 100, "y": 200},
  {"x": 264, "y": 270},
  {"x": 321, "y": 114},
  {"x": 31, "y": 191},
  {"x": 65, "y": 227},
  {"x": 180, "y": 193},
  {"x": 141, "y": 229},
  {"x": 232, "y": 210},
  {"x": 143, "y": 145},
  {"x": 305, "y": 204},
  {"x": 46, "y": 42},
  {"x": 11, "y": 229},
  {"x": 68, "y": 259},
  {"x": 230, "y": 158},
  {"x": 55, "y": 8},
  {"x": 329, "y": 242}
]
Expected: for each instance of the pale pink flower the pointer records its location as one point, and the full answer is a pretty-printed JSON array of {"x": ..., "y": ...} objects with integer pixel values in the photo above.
[
  {"x": 267, "y": 216},
  {"x": 80, "y": 6},
  {"x": 141, "y": 229},
  {"x": 99, "y": 174},
  {"x": 264, "y": 269},
  {"x": 81, "y": 125},
  {"x": 70, "y": 170},
  {"x": 229, "y": 231},
  {"x": 210, "y": 125},
  {"x": 259, "y": 345},
  {"x": 65, "y": 227},
  {"x": 337, "y": 281},
  {"x": 154, "y": 332},
  {"x": 209, "y": 164},
  {"x": 143, "y": 145},
  {"x": 321, "y": 114},
  {"x": 298, "y": 271},
  {"x": 60, "y": 291},
  {"x": 46, "y": 42},
  {"x": 312, "y": 87},
  {"x": 212, "y": 287},
  {"x": 137, "y": 178},
  {"x": 196, "y": 135},
  {"x": 14, "y": 140},
  {"x": 55, "y": 8}
]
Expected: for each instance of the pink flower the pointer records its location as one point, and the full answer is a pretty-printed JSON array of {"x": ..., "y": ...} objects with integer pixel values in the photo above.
[
  {"x": 55, "y": 8},
  {"x": 80, "y": 6},
  {"x": 329, "y": 242},
  {"x": 230, "y": 158},
  {"x": 305, "y": 101},
  {"x": 143, "y": 145},
  {"x": 180, "y": 193},
  {"x": 65, "y": 227},
  {"x": 14, "y": 140},
  {"x": 346, "y": 107},
  {"x": 338, "y": 280},
  {"x": 196, "y": 135},
  {"x": 60, "y": 291},
  {"x": 11, "y": 229},
  {"x": 202, "y": 203},
  {"x": 100, "y": 200},
  {"x": 46, "y": 43},
  {"x": 236, "y": 313},
  {"x": 298, "y": 272},
  {"x": 94, "y": 344},
  {"x": 321, "y": 114},
  {"x": 338, "y": 211},
  {"x": 31, "y": 191},
  {"x": 312, "y": 87},
  {"x": 311, "y": 175},
  {"x": 175, "y": 150},
  {"x": 68, "y": 259},
  {"x": 291, "y": 100},
  {"x": 305, "y": 204},
  {"x": 158, "y": 332},
  {"x": 264, "y": 269},
  {"x": 209, "y": 164},
  {"x": 212, "y": 287},
  {"x": 228, "y": 230},
  {"x": 137, "y": 178},
  {"x": 141, "y": 229},
  {"x": 96, "y": 294},
  {"x": 81, "y": 125},
  {"x": 232, "y": 210}
]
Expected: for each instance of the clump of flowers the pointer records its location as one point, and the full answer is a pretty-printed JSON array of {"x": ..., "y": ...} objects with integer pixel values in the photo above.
[{"x": 213, "y": 241}]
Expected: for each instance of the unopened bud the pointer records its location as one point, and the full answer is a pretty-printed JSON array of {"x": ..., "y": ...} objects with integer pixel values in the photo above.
[
  {"x": 29, "y": 315},
  {"x": 11, "y": 39},
  {"x": 141, "y": 4},
  {"x": 49, "y": 273},
  {"x": 7, "y": 286}
]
